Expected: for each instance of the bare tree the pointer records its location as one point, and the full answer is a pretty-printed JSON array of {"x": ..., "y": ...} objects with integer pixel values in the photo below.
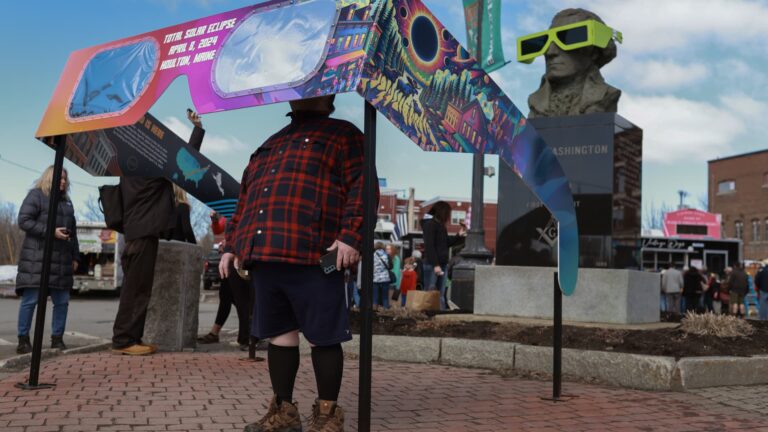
[
  {"x": 704, "y": 202},
  {"x": 91, "y": 212},
  {"x": 11, "y": 235},
  {"x": 653, "y": 217}
]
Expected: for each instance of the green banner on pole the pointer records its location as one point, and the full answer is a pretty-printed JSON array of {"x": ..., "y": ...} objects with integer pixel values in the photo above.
[{"x": 487, "y": 12}]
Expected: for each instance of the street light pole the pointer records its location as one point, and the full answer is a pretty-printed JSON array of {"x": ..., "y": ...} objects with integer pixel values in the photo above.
[{"x": 474, "y": 252}]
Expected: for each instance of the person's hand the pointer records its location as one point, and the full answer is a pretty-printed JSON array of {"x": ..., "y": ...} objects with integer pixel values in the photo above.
[
  {"x": 463, "y": 229},
  {"x": 61, "y": 233},
  {"x": 347, "y": 255},
  {"x": 226, "y": 259},
  {"x": 75, "y": 265},
  {"x": 438, "y": 271},
  {"x": 194, "y": 118}
]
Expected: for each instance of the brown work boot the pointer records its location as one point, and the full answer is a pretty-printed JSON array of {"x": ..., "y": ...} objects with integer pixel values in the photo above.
[
  {"x": 282, "y": 418},
  {"x": 135, "y": 350},
  {"x": 326, "y": 417}
]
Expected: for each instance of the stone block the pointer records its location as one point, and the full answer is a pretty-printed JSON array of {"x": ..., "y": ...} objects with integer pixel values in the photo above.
[
  {"x": 478, "y": 353},
  {"x": 700, "y": 372},
  {"x": 172, "y": 317},
  {"x": 619, "y": 369},
  {"x": 601, "y": 295},
  {"x": 406, "y": 349}
]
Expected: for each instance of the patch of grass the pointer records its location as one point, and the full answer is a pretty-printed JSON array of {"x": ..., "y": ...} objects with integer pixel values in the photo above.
[{"x": 710, "y": 324}]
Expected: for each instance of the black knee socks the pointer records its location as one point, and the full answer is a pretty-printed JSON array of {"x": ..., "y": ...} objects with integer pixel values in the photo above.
[
  {"x": 328, "y": 362},
  {"x": 283, "y": 365}
]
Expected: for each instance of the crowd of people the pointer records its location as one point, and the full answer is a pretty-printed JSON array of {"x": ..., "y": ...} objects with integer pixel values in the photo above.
[{"x": 695, "y": 290}]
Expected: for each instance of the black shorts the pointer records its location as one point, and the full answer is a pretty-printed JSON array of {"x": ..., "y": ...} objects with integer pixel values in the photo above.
[{"x": 290, "y": 297}]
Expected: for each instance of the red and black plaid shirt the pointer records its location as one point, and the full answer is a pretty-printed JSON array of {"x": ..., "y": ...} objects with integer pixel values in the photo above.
[{"x": 301, "y": 191}]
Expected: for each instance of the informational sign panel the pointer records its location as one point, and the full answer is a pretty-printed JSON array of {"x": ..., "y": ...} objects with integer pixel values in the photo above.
[{"x": 149, "y": 149}]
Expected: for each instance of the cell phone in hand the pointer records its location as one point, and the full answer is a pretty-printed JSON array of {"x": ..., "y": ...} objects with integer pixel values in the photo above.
[{"x": 328, "y": 261}]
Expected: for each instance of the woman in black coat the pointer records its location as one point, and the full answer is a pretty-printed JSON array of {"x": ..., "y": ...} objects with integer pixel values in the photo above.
[
  {"x": 436, "y": 245},
  {"x": 33, "y": 217}
]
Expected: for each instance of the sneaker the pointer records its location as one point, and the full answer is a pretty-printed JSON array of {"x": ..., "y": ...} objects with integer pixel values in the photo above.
[
  {"x": 326, "y": 417},
  {"x": 57, "y": 342},
  {"x": 282, "y": 418},
  {"x": 135, "y": 349},
  {"x": 24, "y": 346}
]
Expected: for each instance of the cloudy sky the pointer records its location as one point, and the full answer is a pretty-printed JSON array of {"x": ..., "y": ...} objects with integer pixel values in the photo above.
[{"x": 693, "y": 75}]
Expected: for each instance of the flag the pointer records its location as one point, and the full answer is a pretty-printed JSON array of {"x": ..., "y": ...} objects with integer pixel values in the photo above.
[
  {"x": 487, "y": 13},
  {"x": 401, "y": 227}
]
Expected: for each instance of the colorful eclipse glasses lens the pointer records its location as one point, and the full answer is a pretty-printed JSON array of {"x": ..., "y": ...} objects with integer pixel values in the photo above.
[{"x": 568, "y": 37}]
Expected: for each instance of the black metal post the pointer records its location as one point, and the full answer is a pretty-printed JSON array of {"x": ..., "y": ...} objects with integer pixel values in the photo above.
[
  {"x": 59, "y": 143},
  {"x": 557, "y": 342},
  {"x": 366, "y": 296}
]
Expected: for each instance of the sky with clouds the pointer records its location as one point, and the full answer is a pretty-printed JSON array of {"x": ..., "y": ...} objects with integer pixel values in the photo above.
[{"x": 694, "y": 76}]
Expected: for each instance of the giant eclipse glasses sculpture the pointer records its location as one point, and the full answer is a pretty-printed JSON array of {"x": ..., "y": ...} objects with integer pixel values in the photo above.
[{"x": 394, "y": 53}]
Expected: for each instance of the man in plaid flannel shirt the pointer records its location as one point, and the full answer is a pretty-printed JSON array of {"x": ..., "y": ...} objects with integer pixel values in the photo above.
[{"x": 301, "y": 197}]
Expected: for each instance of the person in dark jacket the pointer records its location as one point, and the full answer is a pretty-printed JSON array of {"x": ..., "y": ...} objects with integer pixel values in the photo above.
[
  {"x": 761, "y": 286},
  {"x": 738, "y": 287},
  {"x": 149, "y": 213},
  {"x": 182, "y": 231},
  {"x": 33, "y": 217},
  {"x": 436, "y": 244},
  {"x": 693, "y": 285}
]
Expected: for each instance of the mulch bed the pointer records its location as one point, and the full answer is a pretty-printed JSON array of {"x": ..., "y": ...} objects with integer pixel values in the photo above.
[{"x": 672, "y": 342}]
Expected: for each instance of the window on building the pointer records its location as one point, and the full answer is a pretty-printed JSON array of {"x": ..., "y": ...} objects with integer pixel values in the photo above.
[
  {"x": 739, "y": 227},
  {"x": 726, "y": 186},
  {"x": 458, "y": 216},
  {"x": 692, "y": 229},
  {"x": 755, "y": 230},
  {"x": 385, "y": 217},
  {"x": 765, "y": 179}
]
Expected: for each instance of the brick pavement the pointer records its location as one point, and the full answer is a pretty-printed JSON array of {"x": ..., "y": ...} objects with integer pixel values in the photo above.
[
  {"x": 219, "y": 392},
  {"x": 750, "y": 398}
]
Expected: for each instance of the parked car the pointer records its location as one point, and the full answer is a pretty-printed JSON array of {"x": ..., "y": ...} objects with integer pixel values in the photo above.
[{"x": 211, "y": 270}]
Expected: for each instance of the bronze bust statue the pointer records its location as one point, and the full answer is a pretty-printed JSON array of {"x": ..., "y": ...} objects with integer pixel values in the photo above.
[{"x": 572, "y": 83}]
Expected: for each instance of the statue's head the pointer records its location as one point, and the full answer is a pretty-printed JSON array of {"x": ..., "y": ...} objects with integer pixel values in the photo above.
[{"x": 562, "y": 65}]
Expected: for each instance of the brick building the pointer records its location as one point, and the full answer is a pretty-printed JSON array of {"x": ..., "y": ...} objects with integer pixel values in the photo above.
[
  {"x": 393, "y": 202},
  {"x": 738, "y": 190}
]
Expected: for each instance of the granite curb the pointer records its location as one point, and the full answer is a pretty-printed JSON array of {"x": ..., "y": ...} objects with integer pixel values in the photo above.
[{"x": 635, "y": 371}]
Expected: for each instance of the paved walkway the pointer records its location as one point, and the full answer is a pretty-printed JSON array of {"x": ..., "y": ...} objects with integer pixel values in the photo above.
[{"x": 219, "y": 392}]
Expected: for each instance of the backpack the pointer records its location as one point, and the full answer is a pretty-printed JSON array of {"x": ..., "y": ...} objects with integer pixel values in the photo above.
[
  {"x": 111, "y": 204},
  {"x": 388, "y": 265}
]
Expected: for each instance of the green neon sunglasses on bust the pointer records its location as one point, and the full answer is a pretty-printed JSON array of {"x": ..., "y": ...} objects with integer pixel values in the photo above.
[{"x": 568, "y": 37}]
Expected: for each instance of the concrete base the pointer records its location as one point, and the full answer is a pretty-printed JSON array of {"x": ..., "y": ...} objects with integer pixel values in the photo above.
[
  {"x": 601, "y": 295},
  {"x": 172, "y": 318}
]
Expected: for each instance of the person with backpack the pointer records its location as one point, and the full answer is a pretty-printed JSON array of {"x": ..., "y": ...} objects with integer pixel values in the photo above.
[
  {"x": 149, "y": 214},
  {"x": 761, "y": 287},
  {"x": 381, "y": 276}
]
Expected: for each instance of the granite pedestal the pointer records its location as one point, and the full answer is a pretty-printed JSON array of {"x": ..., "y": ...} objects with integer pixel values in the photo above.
[
  {"x": 172, "y": 318},
  {"x": 601, "y": 296}
]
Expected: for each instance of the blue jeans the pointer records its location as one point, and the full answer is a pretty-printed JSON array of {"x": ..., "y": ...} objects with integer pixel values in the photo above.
[
  {"x": 763, "y": 306},
  {"x": 380, "y": 294},
  {"x": 60, "y": 300},
  {"x": 433, "y": 281}
]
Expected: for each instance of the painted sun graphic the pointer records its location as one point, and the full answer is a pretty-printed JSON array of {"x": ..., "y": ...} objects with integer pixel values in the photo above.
[{"x": 425, "y": 40}]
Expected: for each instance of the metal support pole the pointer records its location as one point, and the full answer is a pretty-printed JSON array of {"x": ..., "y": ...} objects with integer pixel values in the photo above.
[
  {"x": 59, "y": 143},
  {"x": 557, "y": 342},
  {"x": 366, "y": 298}
]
